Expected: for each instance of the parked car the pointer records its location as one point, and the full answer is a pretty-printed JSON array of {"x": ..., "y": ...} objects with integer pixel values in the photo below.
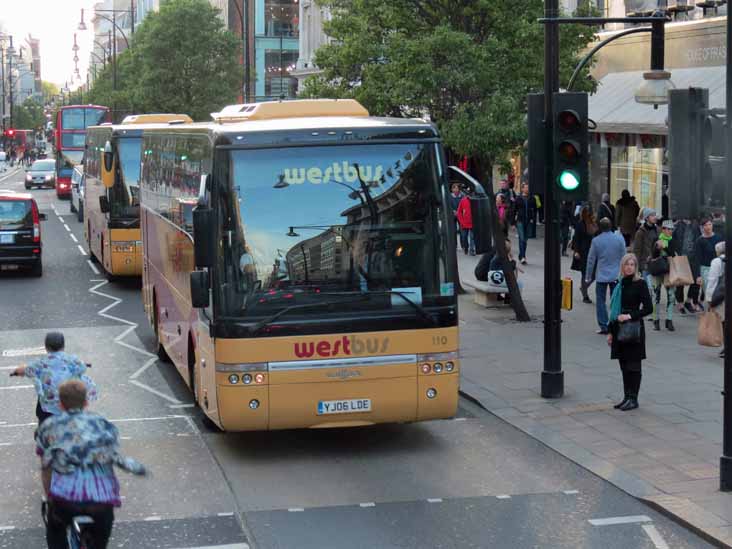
[
  {"x": 42, "y": 173},
  {"x": 76, "y": 204},
  {"x": 20, "y": 232}
]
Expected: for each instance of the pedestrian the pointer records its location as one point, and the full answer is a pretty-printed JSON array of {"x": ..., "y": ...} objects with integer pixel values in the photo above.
[
  {"x": 714, "y": 279},
  {"x": 606, "y": 209},
  {"x": 465, "y": 219},
  {"x": 665, "y": 247},
  {"x": 606, "y": 252},
  {"x": 584, "y": 231},
  {"x": 626, "y": 215},
  {"x": 704, "y": 253},
  {"x": 456, "y": 195},
  {"x": 503, "y": 211},
  {"x": 565, "y": 223},
  {"x": 525, "y": 216},
  {"x": 49, "y": 372},
  {"x": 630, "y": 302},
  {"x": 78, "y": 452},
  {"x": 643, "y": 242},
  {"x": 685, "y": 235},
  {"x": 509, "y": 197}
]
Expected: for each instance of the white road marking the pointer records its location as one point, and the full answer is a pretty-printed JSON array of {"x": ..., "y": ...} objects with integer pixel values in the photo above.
[
  {"x": 181, "y": 405},
  {"x": 296, "y": 509},
  {"x": 131, "y": 326},
  {"x": 571, "y": 492},
  {"x": 6, "y": 443},
  {"x": 66, "y": 227},
  {"x": 229, "y": 514},
  {"x": 8, "y": 367},
  {"x": 12, "y": 387},
  {"x": 6, "y": 528},
  {"x": 28, "y": 351},
  {"x": 234, "y": 546},
  {"x": 655, "y": 536},
  {"x": 93, "y": 268},
  {"x": 610, "y": 521},
  {"x": 152, "y": 518},
  {"x": 183, "y": 434},
  {"x": 367, "y": 504},
  {"x": 460, "y": 419},
  {"x": 82, "y": 250},
  {"x": 503, "y": 496},
  {"x": 73, "y": 238},
  {"x": 434, "y": 500}
]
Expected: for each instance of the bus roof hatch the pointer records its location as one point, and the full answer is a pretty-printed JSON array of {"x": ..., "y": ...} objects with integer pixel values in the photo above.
[
  {"x": 157, "y": 119},
  {"x": 299, "y": 108}
]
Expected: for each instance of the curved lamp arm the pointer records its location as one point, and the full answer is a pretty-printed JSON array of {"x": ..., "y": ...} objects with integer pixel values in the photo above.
[{"x": 97, "y": 14}]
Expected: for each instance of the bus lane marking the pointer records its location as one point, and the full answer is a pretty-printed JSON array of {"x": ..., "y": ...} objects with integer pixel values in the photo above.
[
  {"x": 611, "y": 521},
  {"x": 28, "y": 351},
  {"x": 367, "y": 504},
  {"x": 119, "y": 340},
  {"x": 82, "y": 250},
  {"x": 66, "y": 226},
  {"x": 93, "y": 268},
  {"x": 656, "y": 537},
  {"x": 73, "y": 238},
  {"x": 434, "y": 500}
]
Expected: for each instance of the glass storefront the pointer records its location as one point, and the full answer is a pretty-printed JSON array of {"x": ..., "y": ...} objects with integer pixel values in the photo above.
[
  {"x": 281, "y": 18},
  {"x": 641, "y": 172},
  {"x": 277, "y": 80}
]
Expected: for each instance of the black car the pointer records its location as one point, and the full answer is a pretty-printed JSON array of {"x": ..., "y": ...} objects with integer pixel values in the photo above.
[{"x": 20, "y": 232}]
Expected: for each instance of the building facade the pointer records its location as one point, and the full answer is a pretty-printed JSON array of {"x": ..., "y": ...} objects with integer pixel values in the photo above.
[{"x": 629, "y": 150}]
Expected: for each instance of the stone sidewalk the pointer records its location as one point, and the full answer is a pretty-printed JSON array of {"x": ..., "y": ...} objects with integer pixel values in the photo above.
[{"x": 666, "y": 452}]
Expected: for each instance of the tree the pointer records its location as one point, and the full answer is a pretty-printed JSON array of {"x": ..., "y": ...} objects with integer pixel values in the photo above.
[
  {"x": 182, "y": 60},
  {"x": 467, "y": 65},
  {"x": 48, "y": 90},
  {"x": 29, "y": 115}
]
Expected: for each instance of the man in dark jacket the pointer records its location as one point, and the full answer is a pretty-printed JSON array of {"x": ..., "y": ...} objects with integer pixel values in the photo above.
[
  {"x": 626, "y": 215},
  {"x": 607, "y": 210},
  {"x": 644, "y": 241},
  {"x": 525, "y": 215},
  {"x": 456, "y": 195}
]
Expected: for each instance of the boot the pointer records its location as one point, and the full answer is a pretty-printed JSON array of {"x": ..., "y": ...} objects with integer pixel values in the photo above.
[
  {"x": 620, "y": 404},
  {"x": 657, "y": 325},
  {"x": 670, "y": 326},
  {"x": 630, "y": 404}
]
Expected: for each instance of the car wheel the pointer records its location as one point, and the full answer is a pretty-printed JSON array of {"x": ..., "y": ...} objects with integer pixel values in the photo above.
[{"x": 37, "y": 269}]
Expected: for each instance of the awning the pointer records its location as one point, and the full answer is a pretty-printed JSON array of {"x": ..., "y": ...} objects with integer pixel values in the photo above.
[{"x": 614, "y": 109}]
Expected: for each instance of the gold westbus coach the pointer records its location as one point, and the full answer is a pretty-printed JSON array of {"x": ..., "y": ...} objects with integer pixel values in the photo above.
[
  {"x": 111, "y": 196},
  {"x": 297, "y": 265}
]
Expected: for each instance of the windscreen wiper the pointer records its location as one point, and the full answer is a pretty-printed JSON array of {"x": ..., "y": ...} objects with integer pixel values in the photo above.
[
  {"x": 254, "y": 328},
  {"x": 416, "y": 306}
]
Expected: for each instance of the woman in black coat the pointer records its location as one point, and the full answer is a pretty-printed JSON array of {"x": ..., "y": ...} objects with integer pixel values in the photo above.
[
  {"x": 584, "y": 231},
  {"x": 631, "y": 302}
]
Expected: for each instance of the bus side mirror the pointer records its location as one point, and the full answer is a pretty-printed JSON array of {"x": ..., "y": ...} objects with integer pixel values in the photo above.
[
  {"x": 199, "y": 289},
  {"x": 203, "y": 248},
  {"x": 108, "y": 166},
  {"x": 104, "y": 204},
  {"x": 481, "y": 214}
]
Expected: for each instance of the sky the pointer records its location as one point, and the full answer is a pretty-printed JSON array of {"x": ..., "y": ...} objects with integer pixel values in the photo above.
[{"x": 54, "y": 22}]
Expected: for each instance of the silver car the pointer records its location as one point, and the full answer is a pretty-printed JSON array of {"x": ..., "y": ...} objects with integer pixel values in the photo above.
[
  {"x": 77, "y": 193},
  {"x": 42, "y": 173}
]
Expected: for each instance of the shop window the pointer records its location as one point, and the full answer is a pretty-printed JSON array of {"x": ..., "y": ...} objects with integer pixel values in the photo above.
[
  {"x": 281, "y": 18},
  {"x": 641, "y": 172},
  {"x": 277, "y": 79}
]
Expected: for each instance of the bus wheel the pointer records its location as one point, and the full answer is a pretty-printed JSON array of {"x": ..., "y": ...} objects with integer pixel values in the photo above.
[{"x": 160, "y": 350}]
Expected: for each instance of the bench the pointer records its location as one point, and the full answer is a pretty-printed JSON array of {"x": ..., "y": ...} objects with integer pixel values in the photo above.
[{"x": 486, "y": 292}]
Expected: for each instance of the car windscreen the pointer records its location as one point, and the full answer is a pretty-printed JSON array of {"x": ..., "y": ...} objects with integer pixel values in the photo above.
[
  {"x": 43, "y": 166},
  {"x": 15, "y": 213}
]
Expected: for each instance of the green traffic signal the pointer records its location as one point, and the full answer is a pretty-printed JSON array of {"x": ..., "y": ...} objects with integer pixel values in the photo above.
[{"x": 568, "y": 180}]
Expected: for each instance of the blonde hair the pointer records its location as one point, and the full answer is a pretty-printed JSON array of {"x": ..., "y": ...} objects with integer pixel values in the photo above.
[{"x": 626, "y": 259}]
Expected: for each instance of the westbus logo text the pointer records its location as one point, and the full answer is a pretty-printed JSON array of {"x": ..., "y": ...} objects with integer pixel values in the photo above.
[
  {"x": 347, "y": 345},
  {"x": 338, "y": 171}
]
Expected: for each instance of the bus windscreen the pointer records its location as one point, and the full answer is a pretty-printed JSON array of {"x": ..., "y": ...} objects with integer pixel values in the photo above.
[{"x": 81, "y": 118}]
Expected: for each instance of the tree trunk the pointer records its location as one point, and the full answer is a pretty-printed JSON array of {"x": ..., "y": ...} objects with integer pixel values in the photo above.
[{"x": 517, "y": 302}]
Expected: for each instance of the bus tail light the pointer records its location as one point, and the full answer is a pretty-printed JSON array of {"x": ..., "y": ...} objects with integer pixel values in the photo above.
[
  {"x": 426, "y": 368},
  {"x": 259, "y": 378}
]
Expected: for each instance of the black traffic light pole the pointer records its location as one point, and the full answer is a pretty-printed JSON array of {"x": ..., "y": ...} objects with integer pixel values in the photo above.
[
  {"x": 725, "y": 461},
  {"x": 552, "y": 377}
]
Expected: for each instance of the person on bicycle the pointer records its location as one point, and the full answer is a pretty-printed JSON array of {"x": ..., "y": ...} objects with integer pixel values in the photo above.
[
  {"x": 78, "y": 451},
  {"x": 51, "y": 371}
]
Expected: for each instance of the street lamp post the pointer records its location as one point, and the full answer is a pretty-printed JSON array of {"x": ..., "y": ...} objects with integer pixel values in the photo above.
[
  {"x": 244, "y": 17},
  {"x": 11, "y": 52}
]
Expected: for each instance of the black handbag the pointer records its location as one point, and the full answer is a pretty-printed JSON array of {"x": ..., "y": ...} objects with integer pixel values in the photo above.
[
  {"x": 658, "y": 266},
  {"x": 629, "y": 331}
]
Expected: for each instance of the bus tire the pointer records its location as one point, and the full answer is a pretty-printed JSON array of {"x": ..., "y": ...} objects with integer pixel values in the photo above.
[
  {"x": 192, "y": 371},
  {"x": 160, "y": 350}
]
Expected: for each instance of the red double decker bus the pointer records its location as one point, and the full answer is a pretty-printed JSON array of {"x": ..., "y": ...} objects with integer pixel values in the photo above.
[{"x": 70, "y": 137}]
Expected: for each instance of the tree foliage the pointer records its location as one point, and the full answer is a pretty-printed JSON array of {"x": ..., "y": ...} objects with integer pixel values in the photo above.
[
  {"x": 182, "y": 60},
  {"x": 467, "y": 65},
  {"x": 29, "y": 115}
]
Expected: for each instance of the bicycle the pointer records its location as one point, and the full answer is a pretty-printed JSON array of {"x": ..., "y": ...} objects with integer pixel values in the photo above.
[{"x": 79, "y": 534}]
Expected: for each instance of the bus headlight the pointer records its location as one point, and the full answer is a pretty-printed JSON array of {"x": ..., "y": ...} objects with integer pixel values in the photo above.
[
  {"x": 437, "y": 367},
  {"x": 233, "y": 379},
  {"x": 246, "y": 378},
  {"x": 254, "y": 404},
  {"x": 431, "y": 393},
  {"x": 449, "y": 366}
]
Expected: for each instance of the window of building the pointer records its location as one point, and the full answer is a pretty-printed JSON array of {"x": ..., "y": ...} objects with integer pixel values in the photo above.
[
  {"x": 281, "y": 18},
  {"x": 278, "y": 64}
]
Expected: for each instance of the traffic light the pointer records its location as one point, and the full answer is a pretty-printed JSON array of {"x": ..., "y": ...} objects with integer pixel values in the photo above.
[
  {"x": 10, "y": 132},
  {"x": 713, "y": 174},
  {"x": 570, "y": 146},
  {"x": 537, "y": 143},
  {"x": 687, "y": 111}
]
